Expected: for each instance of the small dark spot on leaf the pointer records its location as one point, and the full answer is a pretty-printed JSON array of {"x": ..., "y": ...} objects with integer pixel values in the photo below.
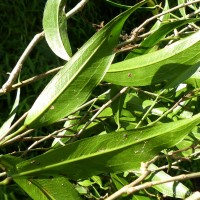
[
  {"x": 130, "y": 75},
  {"x": 50, "y": 177},
  {"x": 125, "y": 135}
]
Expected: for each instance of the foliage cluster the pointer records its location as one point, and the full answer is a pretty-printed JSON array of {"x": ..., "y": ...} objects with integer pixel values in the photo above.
[{"x": 120, "y": 116}]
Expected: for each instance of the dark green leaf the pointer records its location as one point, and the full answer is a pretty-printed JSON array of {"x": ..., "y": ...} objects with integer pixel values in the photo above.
[{"x": 114, "y": 152}]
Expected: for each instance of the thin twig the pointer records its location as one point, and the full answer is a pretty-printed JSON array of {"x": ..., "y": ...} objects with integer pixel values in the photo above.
[
  {"x": 32, "y": 79},
  {"x": 144, "y": 173},
  {"x": 14, "y": 125},
  {"x": 194, "y": 196},
  {"x": 136, "y": 30},
  {"x": 10, "y": 141},
  {"x": 123, "y": 90},
  {"x": 16, "y": 70},
  {"x": 182, "y": 99},
  {"x": 76, "y": 9}
]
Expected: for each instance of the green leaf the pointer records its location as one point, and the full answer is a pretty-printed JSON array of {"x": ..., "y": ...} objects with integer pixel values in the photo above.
[
  {"x": 117, "y": 105},
  {"x": 147, "y": 44},
  {"x": 6, "y": 125},
  {"x": 48, "y": 188},
  {"x": 55, "y": 26},
  {"x": 75, "y": 81},
  {"x": 164, "y": 64},
  {"x": 40, "y": 188},
  {"x": 118, "y": 5},
  {"x": 194, "y": 80},
  {"x": 182, "y": 10},
  {"x": 162, "y": 18},
  {"x": 114, "y": 152},
  {"x": 172, "y": 189}
]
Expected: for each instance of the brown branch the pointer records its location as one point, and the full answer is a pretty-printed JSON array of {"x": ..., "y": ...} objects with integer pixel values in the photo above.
[{"x": 16, "y": 70}]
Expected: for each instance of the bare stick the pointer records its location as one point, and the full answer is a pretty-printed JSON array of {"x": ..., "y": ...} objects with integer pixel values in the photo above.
[
  {"x": 32, "y": 79},
  {"x": 18, "y": 137},
  {"x": 76, "y": 9},
  {"x": 144, "y": 173},
  {"x": 153, "y": 183},
  {"x": 15, "y": 72}
]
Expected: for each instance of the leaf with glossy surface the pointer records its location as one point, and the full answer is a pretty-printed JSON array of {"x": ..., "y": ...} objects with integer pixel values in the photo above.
[
  {"x": 75, "y": 81},
  {"x": 48, "y": 188},
  {"x": 155, "y": 67},
  {"x": 171, "y": 189},
  {"x": 40, "y": 188},
  {"x": 55, "y": 26},
  {"x": 114, "y": 152}
]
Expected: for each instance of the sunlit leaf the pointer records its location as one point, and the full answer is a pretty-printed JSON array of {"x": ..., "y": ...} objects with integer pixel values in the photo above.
[
  {"x": 75, "y": 81},
  {"x": 164, "y": 64},
  {"x": 55, "y": 26}
]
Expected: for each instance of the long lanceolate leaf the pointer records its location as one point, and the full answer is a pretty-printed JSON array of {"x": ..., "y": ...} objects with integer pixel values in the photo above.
[
  {"x": 164, "y": 64},
  {"x": 114, "y": 152},
  {"x": 48, "y": 188},
  {"x": 74, "y": 83},
  {"x": 55, "y": 28}
]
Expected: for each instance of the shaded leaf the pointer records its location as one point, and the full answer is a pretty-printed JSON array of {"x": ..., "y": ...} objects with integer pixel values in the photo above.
[
  {"x": 40, "y": 188},
  {"x": 48, "y": 188},
  {"x": 114, "y": 152},
  {"x": 117, "y": 105}
]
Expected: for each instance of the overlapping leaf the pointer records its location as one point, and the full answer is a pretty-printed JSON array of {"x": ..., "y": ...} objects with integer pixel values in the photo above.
[
  {"x": 150, "y": 42},
  {"x": 74, "y": 83},
  {"x": 114, "y": 152},
  {"x": 48, "y": 188},
  {"x": 164, "y": 64}
]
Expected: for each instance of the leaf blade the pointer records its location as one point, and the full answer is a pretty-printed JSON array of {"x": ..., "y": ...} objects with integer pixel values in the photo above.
[
  {"x": 54, "y": 24},
  {"x": 164, "y": 64},
  {"x": 113, "y": 152},
  {"x": 74, "y": 82}
]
